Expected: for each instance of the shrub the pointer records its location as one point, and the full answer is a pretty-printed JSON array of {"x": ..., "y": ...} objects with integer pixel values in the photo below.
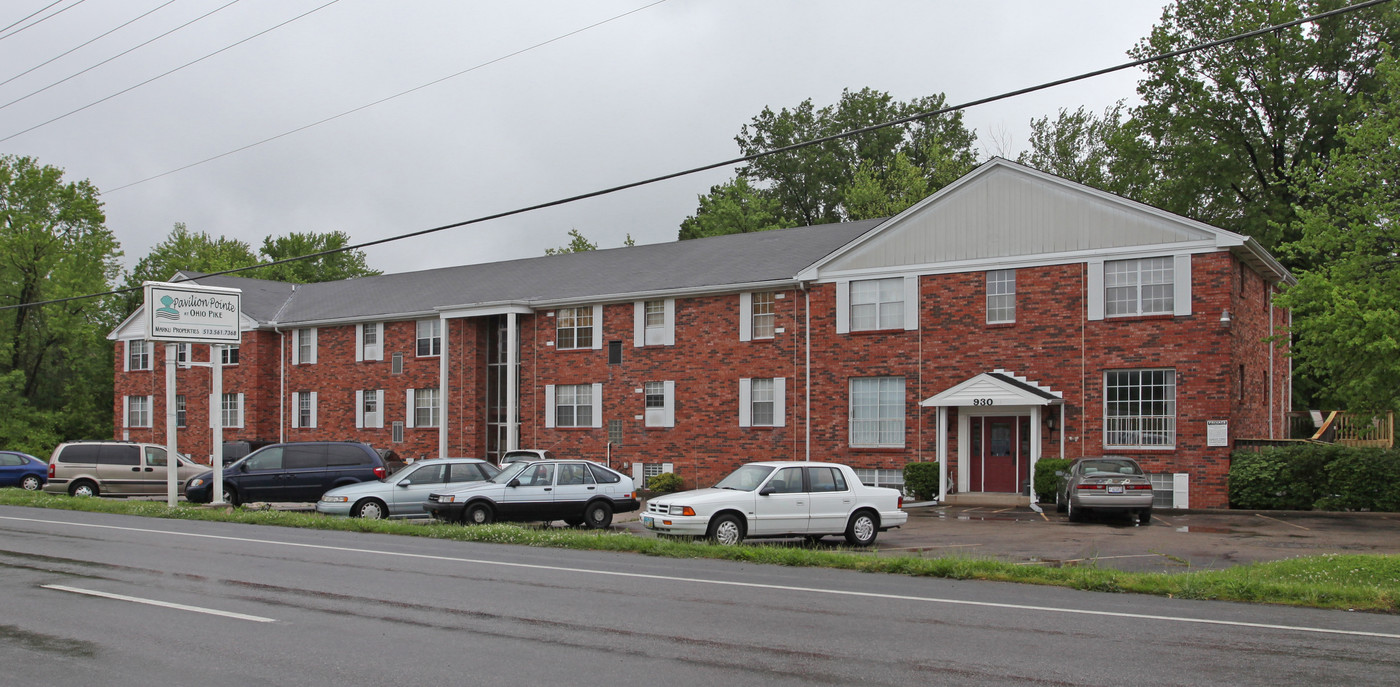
[
  {"x": 921, "y": 480},
  {"x": 1047, "y": 483},
  {"x": 1362, "y": 479},
  {"x": 664, "y": 483},
  {"x": 1316, "y": 476}
]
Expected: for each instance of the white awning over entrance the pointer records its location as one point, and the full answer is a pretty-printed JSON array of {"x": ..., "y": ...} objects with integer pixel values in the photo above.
[{"x": 991, "y": 391}]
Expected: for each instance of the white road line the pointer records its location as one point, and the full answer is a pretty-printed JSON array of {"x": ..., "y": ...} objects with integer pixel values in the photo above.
[
  {"x": 162, "y": 604},
  {"x": 727, "y": 583}
]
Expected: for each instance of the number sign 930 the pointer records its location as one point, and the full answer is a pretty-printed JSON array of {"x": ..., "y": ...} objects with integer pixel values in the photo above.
[{"x": 981, "y": 401}]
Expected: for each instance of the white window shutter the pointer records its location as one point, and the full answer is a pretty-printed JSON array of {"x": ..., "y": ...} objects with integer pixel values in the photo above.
[
  {"x": 670, "y": 321},
  {"x": 378, "y": 409},
  {"x": 376, "y": 351},
  {"x": 597, "y": 404},
  {"x": 843, "y": 306},
  {"x": 1181, "y": 482},
  {"x": 746, "y": 316},
  {"x": 637, "y": 474},
  {"x": 1095, "y": 287},
  {"x": 597, "y": 326},
  {"x": 313, "y": 346},
  {"x": 240, "y": 409},
  {"x": 549, "y": 405},
  {"x": 639, "y": 324},
  {"x": 359, "y": 410},
  {"x": 313, "y": 406},
  {"x": 126, "y": 411},
  {"x": 126, "y": 359},
  {"x": 151, "y": 410},
  {"x": 296, "y": 410},
  {"x": 779, "y": 401},
  {"x": 408, "y": 421},
  {"x": 670, "y": 408},
  {"x": 296, "y": 346},
  {"x": 1181, "y": 282},
  {"x": 911, "y": 303},
  {"x": 745, "y": 401},
  {"x": 360, "y": 344}
]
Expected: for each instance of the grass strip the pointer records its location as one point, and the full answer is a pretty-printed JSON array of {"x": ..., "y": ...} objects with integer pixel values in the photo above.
[{"x": 1352, "y": 582}]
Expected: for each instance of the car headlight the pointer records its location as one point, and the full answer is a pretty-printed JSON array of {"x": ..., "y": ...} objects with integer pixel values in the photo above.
[
  {"x": 335, "y": 499},
  {"x": 682, "y": 510},
  {"x": 447, "y": 498},
  {"x": 196, "y": 482}
]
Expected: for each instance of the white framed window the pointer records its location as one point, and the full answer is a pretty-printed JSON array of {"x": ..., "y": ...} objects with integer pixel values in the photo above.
[
  {"x": 231, "y": 411},
  {"x": 643, "y": 472},
  {"x": 138, "y": 355},
  {"x": 138, "y": 411},
  {"x": 369, "y": 341},
  {"x": 762, "y": 402},
  {"x": 574, "y": 328},
  {"x": 429, "y": 338},
  {"x": 654, "y": 323},
  {"x": 180, "y": 415},
  {"x": 573, "y": 405},
  {"x": 877, "y": 304},
  {"x": 877, "y": 412},
  {"x": 369, "y": 409},
  {"x": 396, "y": 364},
  {"x": 763, "y": 314},
  {"x": 229, "y": 356},
  {"x": 1139, "y": 408},
  {"x": 1001, "y": 296},
  {"x": 1170, "y": 490},
  {"x": 1139, "y": 287},
  {"x": 660, "y": 404},
  {"x": 396, "y": 433},
  {"x": 881, "y": 477},
  {"x": 182, "y": 353},
  {"x": 304, "y": 409},
  {"x": 304, "y": 348},
  {"x": 423, "y": 408}
]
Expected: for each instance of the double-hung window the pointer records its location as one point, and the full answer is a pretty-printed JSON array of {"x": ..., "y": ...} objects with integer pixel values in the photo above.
[
  {"x": 229, "y": 356},
  {"x": 425, "y": 408},
  {"x": 654, "y": 323},
  {"x": 660, "y": 404},
  {"x": 877, "y": 304},
  {"x": 303, "y": 409},
  {"x": 369, "y": 406},
  {"x": 877, "y": 412},
  {"x": 429, "y": 338},
  {"x": 231, "y": 410},
  {"x": 1139, "y": 287},
  {"x": 369, "y": 341},
  {"x": 1139, "y": 408},
  {"x": 762, "y": 401},
  {"x": 762, "y": 315},
  {"x": 573, "y": 405},
  {"x": 1001, "y": 296},
  {"x": 180, "y": 410},
  {"x": 138, "y": 411},
  {"x": 138, "y": 355},
  {"x": 575, "y": 328},
  {"x": 305, "y": 351}
]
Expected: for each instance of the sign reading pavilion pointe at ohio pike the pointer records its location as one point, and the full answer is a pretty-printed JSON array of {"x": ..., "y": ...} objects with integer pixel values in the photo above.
[{"x": 189, "y": 313}]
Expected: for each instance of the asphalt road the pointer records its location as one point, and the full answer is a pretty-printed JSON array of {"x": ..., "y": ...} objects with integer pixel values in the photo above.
[{"x": 339, "y": 608}]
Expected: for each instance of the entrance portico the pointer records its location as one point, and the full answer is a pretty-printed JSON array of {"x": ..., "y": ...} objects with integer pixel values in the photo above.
[{"x": 1000, "y": 416}]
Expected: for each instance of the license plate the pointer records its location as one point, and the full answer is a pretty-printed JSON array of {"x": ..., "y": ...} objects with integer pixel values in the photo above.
[
  {"x": 1115, "y": 490},
  {"x": 648, "y": 522}
]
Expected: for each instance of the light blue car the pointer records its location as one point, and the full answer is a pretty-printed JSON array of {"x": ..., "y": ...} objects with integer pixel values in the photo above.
[{"x": 402, "y": 494}]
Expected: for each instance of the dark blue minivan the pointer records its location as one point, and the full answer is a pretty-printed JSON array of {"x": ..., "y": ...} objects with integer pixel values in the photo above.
[{"x": 295, "y": 471}]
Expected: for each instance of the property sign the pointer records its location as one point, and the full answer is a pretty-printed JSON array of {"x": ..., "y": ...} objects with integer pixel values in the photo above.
[
  {"x": 190, "y": 313},
  {"x": 1217, "y": 432}
]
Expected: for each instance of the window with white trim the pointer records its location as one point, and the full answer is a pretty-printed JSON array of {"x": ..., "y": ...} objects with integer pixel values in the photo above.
[
  {"x": 573, "y": 405},
  {"x": 429, "y": 338},
  {"x": 655, "y": 395},
  {"x": 1139, "y": 408},
  {"x": 425, "y": 408},
  {"x": 396, "y": 433},
  {"x": 762, "y": 401},
  {"x": 182, "y": 352},
  {"x": 231, "y": 410},
  {"x": 370, "y": 336},
  {"x": 138, "y": 355},
  {"x": 229, "y": 356},
  {"x": 138, "y": 411},
  {"x": 369, "y": 404},
  {"x": 574, "y": 328},
  {"x": 1139, "y": 287},
  {"x": 306, "y": 408},
  {"x": 763, "y": 315},
  {"x": 660, "y": 402},
  {"x": 870, "y": 477},
  {"x": 306, "y": 347},
  {"x": 877, "y": 304},
  {"x": 180, "y": 415},
  {"x": 1001, "y": 296},
  {"x": 877, "y": 412}
]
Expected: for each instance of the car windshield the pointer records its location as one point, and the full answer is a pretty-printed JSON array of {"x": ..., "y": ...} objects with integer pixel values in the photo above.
[
  {"x": 1117, "y": 467},
  {"x": 746, "y": 478},
  {"x": 511, "y": 471}
]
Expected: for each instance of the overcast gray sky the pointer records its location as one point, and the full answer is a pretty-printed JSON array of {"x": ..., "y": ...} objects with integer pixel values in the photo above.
[{"x": 661, "y": 89}]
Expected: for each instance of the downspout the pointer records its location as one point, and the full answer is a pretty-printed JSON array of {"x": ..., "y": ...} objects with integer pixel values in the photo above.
[
  {"x": 1272, "y": 347},
  {"x": 281, "y": 383},
  {"x": 807, "y": 391}
]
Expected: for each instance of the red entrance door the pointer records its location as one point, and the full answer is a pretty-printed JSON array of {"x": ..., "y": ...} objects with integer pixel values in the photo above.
[{"x": 1000, "y": 449}]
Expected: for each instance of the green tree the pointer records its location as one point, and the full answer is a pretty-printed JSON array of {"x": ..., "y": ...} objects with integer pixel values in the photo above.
[
  {"x": 577, "y": 244},
  {"x": 55, "y": 361},
  {"x": 1104, "y": 152},
  {"x": 1346, "y": 310},
  {"x": 733, "y": 207},
  {"x": 346, "y": 264},
  {"x": 1238, "y": 132},
  {"x": 185, "y": 250}
]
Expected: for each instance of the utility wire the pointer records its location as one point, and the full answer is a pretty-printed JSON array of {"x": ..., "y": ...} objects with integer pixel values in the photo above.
[
  {"x": 99, "y": 64},
  {"x": 89, "y": 42},
  {"x": 51, "y": 16},
  {"x": 385, "y": 99},
  {"x": 747, "y": 158}
]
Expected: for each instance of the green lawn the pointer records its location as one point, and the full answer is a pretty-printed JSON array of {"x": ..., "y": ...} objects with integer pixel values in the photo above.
[{"x": 1358, "y": 582}]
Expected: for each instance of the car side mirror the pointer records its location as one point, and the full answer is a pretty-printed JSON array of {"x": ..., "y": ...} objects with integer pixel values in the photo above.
[
  {"x": 1061, "y": 473},
  {"x": 767, "y": 490},
  {"x": 513, "y": 483},
  {"x": 243, "y": 467},
  {"x": 406, "y": 483}
]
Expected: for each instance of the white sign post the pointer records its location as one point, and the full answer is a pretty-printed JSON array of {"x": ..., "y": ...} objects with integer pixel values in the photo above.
[{"x": 190, "y": 313}]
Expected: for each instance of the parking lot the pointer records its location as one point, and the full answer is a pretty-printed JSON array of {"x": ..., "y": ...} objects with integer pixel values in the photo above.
[{"x": 1174, "y": 542}]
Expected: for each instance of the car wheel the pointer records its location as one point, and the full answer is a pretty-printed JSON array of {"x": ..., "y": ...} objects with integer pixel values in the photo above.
[
  {"x": 598, "y": 515},
  {"x": 1072, "y": 513},
  {"x": 31, "y": 483},
  {"x": 1145, "y": 516},
  {"x": 478, "y": 514},
  {"x": 370, "y": 509},
  {"x": 1060, "y": 503},
  {"x": 573, "y": 521},
  {"x": 230, "y": 496},
  {"x": 83, "y": 487},
  {"x": 727, "y": 530},
  {"x": 862, "y": 529}
]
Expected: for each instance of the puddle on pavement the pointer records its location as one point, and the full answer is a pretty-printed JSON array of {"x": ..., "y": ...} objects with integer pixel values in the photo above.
[{"x": 1207, "y": 530}]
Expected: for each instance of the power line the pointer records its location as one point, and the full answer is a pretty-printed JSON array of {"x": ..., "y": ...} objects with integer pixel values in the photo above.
[
  {"x": 385, "y": 99},
  {"x": 747, "y": 158},
  {"x": 99, "y": 64},
  {"x": 41, "y": 9},
  {"x": 87, "y": 43}
]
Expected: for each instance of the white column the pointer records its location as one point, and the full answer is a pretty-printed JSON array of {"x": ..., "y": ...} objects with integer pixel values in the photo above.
[
  {"x": 172, "y": 465},
  {"x": 513, "y": 384},
  {"x": 1036, "y": 429},
  {"x": 216, "y": 419},
  {"x": 942, "y": 454},
  {"x": 443, "y": 421}
]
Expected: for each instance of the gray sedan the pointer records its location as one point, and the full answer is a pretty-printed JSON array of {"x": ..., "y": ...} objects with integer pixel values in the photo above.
[
  {"x": 1108, "y": 484},
  {"x": 402, "y": 494}
]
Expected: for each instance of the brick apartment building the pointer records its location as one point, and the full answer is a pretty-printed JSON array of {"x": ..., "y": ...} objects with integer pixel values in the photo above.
[{"x": 1011, "y": 316}]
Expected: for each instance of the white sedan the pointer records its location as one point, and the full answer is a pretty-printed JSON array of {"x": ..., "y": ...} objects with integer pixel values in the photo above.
[{"x": 780, "y": 499}]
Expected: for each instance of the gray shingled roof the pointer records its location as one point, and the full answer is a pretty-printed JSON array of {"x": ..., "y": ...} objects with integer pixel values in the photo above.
[
  {"x": 262, "y": 299},
  {"x": 700, "y": 264}
]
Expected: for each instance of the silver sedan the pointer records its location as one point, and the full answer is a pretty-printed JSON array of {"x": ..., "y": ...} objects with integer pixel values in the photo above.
[
  {"x": 402, "y": 494},
  {"x": 1108, "y": 484}
]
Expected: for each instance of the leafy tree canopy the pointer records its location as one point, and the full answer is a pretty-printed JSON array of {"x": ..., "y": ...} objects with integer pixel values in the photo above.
[
  {"x": 579, "y": 243},
  {"x": 186, "y": 250},
  {"x": 346, "y": 264}
]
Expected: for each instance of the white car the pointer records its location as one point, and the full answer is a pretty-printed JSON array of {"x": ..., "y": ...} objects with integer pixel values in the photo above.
[
  {"x": 780, "y": 499},
  {"x": 402, "y": 494}
]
